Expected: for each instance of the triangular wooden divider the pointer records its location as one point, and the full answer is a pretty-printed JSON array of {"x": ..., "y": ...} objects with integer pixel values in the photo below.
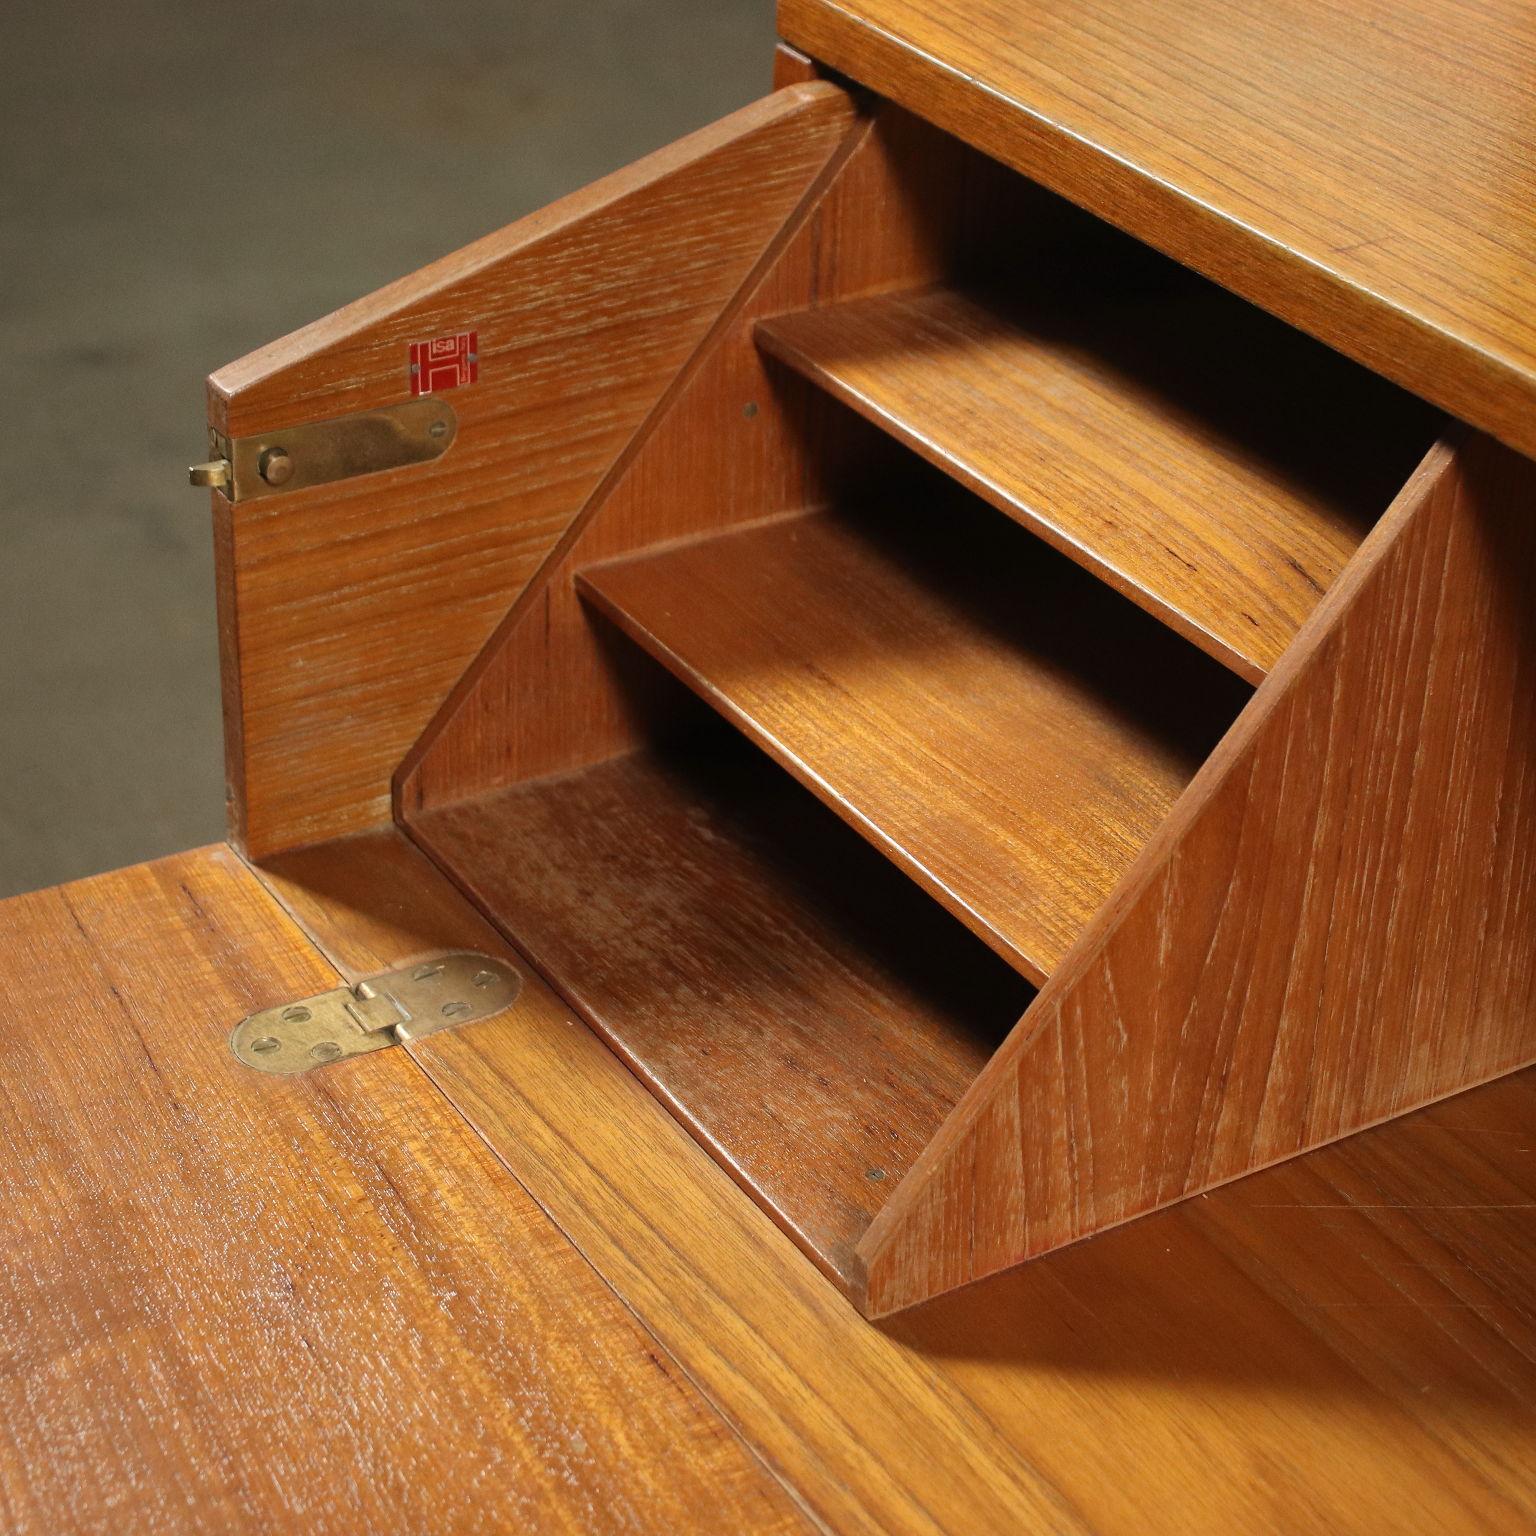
[{"x": 1336, "y": 925}]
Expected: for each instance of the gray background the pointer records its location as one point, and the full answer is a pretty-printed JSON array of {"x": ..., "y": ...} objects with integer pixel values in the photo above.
[{"x": 179, "y": 183}]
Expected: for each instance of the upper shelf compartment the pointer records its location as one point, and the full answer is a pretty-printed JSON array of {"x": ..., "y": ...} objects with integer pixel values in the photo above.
[
  {"x": 1362, "y": 171},
  {"x": 1008, "y": 731},
  {"x": 1213, "y": 465}
]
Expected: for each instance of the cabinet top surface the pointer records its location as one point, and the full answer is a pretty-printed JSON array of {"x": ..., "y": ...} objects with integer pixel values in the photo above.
[{"x": 1364, "y": 168}]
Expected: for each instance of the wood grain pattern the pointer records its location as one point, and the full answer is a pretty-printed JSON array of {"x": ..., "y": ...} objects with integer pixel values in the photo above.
[
  {"x": 1340, "y": 1345},
  {"x": 350, "y": 610},
  {"x": 807, "y": 1013},
  {"x": 236, "y": 1302},
  {"x": 1362, "y": 171},
  {"x": 1208, "y": 462},
  {"x": 1336, "y": 925},
  {"x": 734, "y": 445},
  {"x": 1004, "y": 729}
]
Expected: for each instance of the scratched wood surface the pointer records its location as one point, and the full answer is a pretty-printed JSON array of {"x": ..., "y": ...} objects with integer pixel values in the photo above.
[
  {"x": 237, "y": 1302},
  {"x": 1210, "y": 463},
  {"x": 1362, "y": 171},
  {"x": 1337, "y": 924},
  {"x": 808, "y": 1012},
  {"x": 1343, "y": 1344},
  {"x": 348, "y": 611},
  {"x": 1001, "y": 725}
]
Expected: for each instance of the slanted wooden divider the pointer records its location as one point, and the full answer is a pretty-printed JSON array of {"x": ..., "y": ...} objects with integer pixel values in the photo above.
[{"x": 1337, "y": 924}]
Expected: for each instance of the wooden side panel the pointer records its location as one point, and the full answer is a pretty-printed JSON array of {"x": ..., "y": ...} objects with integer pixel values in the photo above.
[
  {"x": 348, "y": 611},
  {"x": 1337, "y": 923},
  {"x": 735, "y": 444},
  {"x": 240, "y": 1303}
]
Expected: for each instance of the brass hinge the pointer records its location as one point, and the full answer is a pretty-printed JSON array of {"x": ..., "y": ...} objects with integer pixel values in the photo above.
[
  {"x": 320, "y": 452},
  {"x": 384, "y": 1010}
]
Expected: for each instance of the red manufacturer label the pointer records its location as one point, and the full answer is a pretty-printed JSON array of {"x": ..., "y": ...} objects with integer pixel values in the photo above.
[{"x": 444, "y": 363}]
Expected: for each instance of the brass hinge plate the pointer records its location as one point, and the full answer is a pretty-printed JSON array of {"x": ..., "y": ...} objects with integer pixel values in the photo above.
[
  {"x": 321, "y": 452},
  {"x": 385, "y": 1010}
]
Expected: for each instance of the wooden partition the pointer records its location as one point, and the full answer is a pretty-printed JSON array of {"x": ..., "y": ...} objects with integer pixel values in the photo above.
[{"x": 348, "y": 611}]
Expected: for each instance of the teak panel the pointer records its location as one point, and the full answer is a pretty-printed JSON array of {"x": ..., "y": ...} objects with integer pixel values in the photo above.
[
  {"x": 1001, "y": 726},
  {"x": 808, "y": 1013},
  {"x": 1341, "y": 1345},
  {"x": 1336, "y": 925},
  {"x": 236, "y": 1302},
  {"x": 1362, "y": 171},
  {"x": 1210, "y": 463},
  {"x": 348, "y": 611}
]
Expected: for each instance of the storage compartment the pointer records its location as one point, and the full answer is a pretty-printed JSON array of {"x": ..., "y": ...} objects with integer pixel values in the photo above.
[
  {"x": 998, "y": 725},
  {"x": 1206, "y": 460},
  {"x": 915, "y": 608}
]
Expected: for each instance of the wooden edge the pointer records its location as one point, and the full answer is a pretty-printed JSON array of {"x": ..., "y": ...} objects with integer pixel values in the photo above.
[
  {"x": 406, "y": 797},
  {"x": 791, "y": 67},
  {"x": 897, "y": 1219},
  {"x": 1494, "y": 394},
  {"x": 269, "y": 362},
  {"x": 231, "y": 693}
]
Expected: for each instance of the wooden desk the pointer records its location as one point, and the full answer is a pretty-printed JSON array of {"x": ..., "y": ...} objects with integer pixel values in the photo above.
[
  {"x": 492, "y": 1283},
  {"x": 976, "y": 736}
]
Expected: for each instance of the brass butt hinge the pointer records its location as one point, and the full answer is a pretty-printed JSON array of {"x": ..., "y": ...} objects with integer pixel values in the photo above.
[
  {"x": 384, "y": 1010},
  {"x": 321, "y": 452}
]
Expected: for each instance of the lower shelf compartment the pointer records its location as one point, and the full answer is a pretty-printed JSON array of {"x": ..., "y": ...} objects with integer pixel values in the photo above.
[{"x": 808, "y": 1012}]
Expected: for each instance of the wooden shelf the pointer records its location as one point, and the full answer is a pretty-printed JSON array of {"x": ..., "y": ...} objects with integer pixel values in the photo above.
[
  {"x": 806, "y": 1011},
  {"x": 1001, "y": 726},
  {"x": 1216, "y": 467},
  {"x": 1363, "y": 172}
]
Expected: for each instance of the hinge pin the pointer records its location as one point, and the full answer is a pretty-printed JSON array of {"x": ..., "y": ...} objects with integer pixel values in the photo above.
[{"x": 215, "y": 473}]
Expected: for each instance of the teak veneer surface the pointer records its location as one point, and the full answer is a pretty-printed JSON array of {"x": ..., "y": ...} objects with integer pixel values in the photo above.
[
  {"x": 237, "y": 1302},
  {"x": 1007, "y": 730},
  {"x": 1336, "y": 1347},
  {"x": 1364, "y": 171},
  {"x": 1210, "y": 463},
  {"x": 806, "y": 1011},
  {"x": 348, "y": 611}
]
